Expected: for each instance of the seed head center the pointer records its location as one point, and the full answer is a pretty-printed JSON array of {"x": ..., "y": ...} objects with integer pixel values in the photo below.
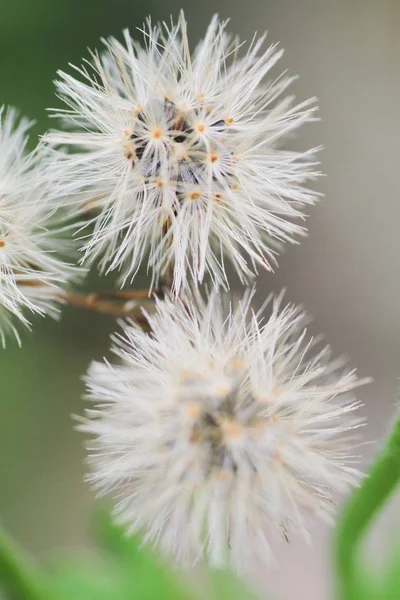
[
  {"x": 157, "y": 133},
  {"x": 194, "y": 195}
]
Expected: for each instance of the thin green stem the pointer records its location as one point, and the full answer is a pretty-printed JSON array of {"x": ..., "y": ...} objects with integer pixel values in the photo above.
[
  {"x": 362, "y": 507},
  {"x": 18, "y": 576}
]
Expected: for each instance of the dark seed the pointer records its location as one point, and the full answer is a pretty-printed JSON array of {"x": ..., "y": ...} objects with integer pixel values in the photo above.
[
  {"x": 185, "y": 126},
  {"x": 169, "y": 108},
  {"x": 208, "y": 419},
  {"x": 129, "y": 156},
  {"x": 219, "y": 124},
  {"x": 139, "y": 151}
]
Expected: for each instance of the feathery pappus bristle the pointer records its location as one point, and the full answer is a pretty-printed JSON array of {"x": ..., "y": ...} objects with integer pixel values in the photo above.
[
  {"x": 176, "y": 156},
  {"x": 221, "y": 428},
  {"x": 33, "y": 246}
]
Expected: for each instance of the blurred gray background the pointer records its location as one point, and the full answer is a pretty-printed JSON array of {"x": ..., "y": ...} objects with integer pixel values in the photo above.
[{"x": 347, "y": 272}]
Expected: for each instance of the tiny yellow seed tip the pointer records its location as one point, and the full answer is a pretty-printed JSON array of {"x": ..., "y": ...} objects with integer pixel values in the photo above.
[{"x": 157, "y": 133}]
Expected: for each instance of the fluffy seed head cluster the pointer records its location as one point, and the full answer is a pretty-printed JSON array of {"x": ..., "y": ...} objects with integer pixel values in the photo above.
[
  {"x": 178, "y": 155},
  {"x": 220, "y": 428},
  {"x": 30, "y": 271},
  {"x": 217, "y": 428}
]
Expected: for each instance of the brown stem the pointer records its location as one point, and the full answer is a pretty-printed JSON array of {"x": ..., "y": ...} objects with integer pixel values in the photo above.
[
  {"x": 128, "y": 294},
  {"x": 95, "y": 303}
]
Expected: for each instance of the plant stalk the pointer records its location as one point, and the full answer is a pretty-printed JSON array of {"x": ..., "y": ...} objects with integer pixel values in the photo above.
[
  {"x": 362, "y": 507},
  {"x": 113, "y": 304},
  {"x": 18, "y": 576}
]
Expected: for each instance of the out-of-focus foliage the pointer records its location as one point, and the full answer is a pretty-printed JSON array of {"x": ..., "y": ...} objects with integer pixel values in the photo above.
[
  {"x": 389, "y": 587},
  {"x": 38, "y": 37},
  {"x": 226, "y": 585},
  {"x": 123, "y": 570},
  {"x": 355, "y": 579},
  {"x": 385, "y": 585}
]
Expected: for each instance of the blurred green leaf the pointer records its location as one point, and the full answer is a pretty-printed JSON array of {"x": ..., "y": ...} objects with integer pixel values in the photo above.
[
  {"x": 152, "y": 577},
  {"x": 361, "y": 509},
  {"x": 226, "y": 584},
  {"x": 73, "y": 581},
  {"x": 391, "y": 582},
  {"x": 127, "y": 569},
  {"x": 20, "y": 578},
  {"x": 370, "y": 585},
  {"x": 113, "y": 579},
  {"x": 148, "y": 575}
]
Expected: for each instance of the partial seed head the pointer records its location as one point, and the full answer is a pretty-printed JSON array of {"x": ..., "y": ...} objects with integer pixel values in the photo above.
[
  {"x": 193, "y": 453},
  {"x": 212, "y": 119}
]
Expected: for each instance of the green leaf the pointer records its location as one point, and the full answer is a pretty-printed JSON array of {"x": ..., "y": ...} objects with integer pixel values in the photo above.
[
  {"x": 72, "y": 581},
  {"x": 227, "y": 585},
  {"x": 20, "y": 579},
  {"x": 391, "y": 580},
  {"x": 148, "y": 575},
  {"x": 360, "y": 511}
]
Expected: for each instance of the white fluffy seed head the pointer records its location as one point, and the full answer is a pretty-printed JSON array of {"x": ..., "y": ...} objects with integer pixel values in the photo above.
[
  {"x": 177, "y": 157},
  {"x": 15, "y": 161},
  {"x": 221, "y": 428},
  {"x": 31, "y": 270}
]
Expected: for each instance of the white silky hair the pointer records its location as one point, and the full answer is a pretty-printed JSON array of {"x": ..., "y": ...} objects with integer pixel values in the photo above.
[
  {"x": 34, "y": 248},
  {"x": 221, "y": 429},
  {"x": 176, "y": 157}
]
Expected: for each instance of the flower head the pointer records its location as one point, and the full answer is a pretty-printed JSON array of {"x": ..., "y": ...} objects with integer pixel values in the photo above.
[
  {"x": 15, "y": 162},
  {"x": 31, "y": 270},
  {"x": 219, "y": 428},
  {"x": 179, "y": 155}
]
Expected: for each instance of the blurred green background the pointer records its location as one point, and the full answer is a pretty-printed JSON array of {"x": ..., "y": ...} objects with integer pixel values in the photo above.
[{"x": 347, "y": 272}]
